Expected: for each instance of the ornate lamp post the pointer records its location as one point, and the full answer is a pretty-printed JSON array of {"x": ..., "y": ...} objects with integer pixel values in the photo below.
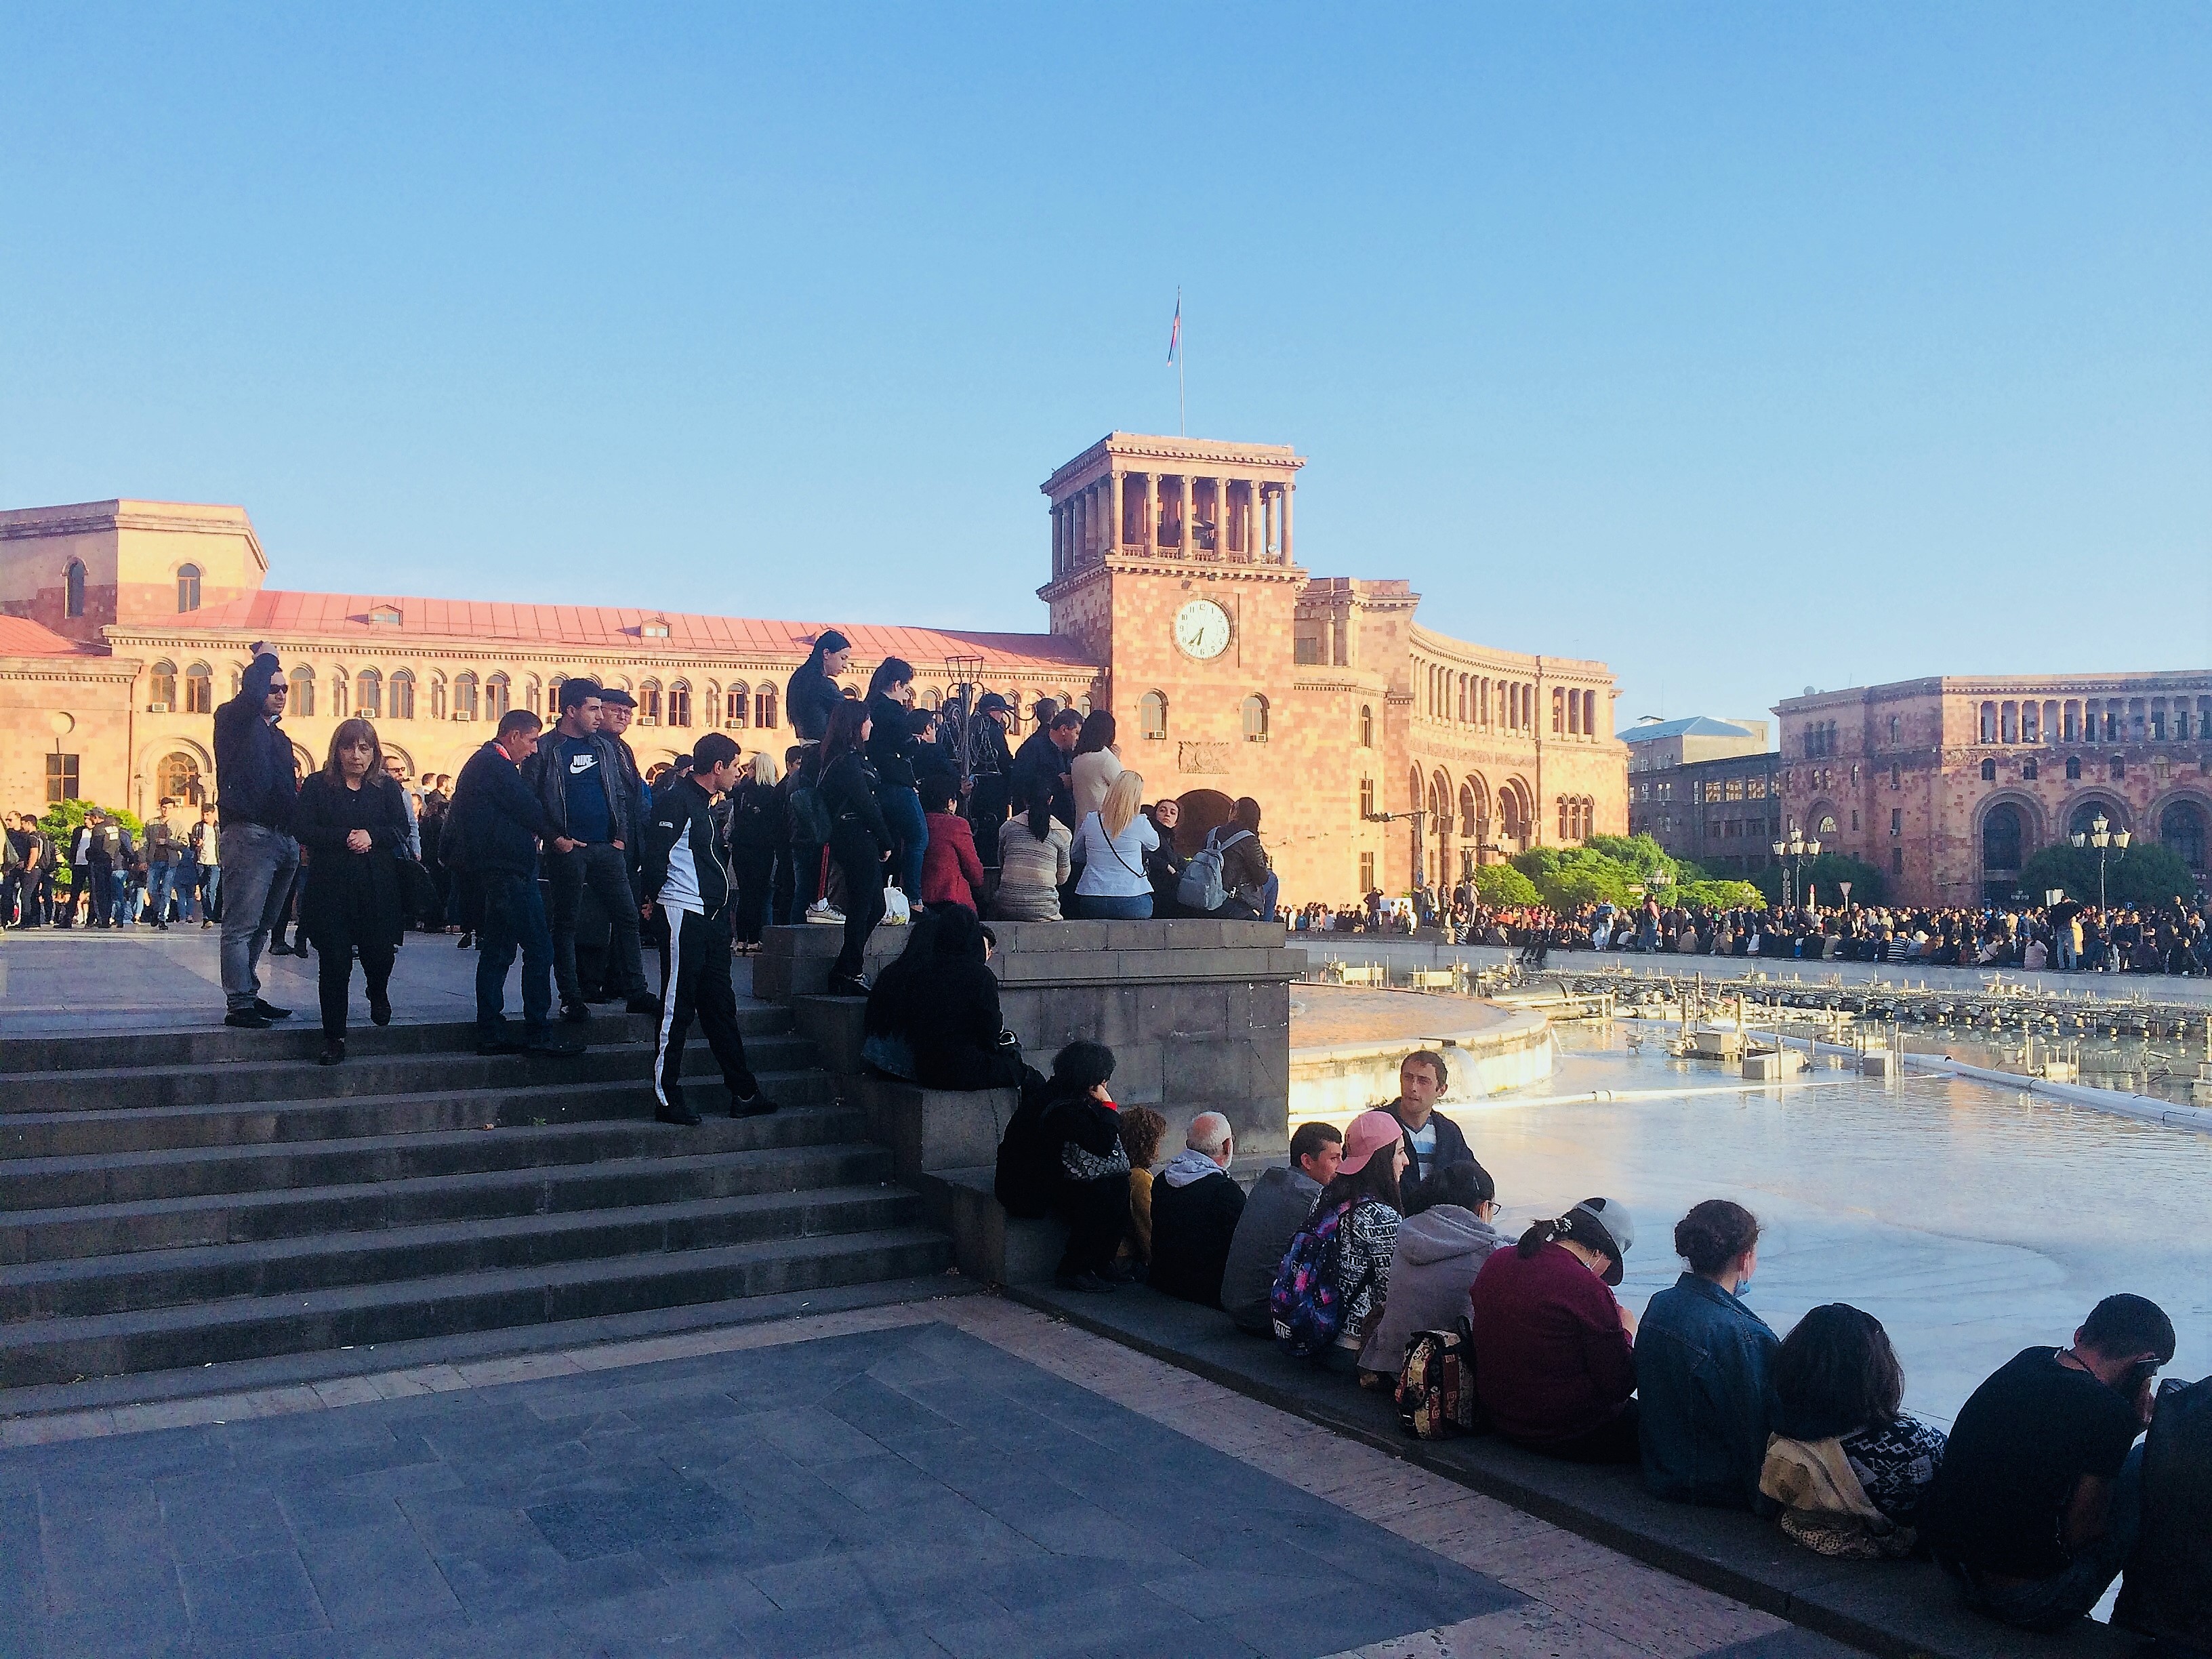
[
  {"x": 1793, "y": 853},
  {"x": 2109, "y": 842}
]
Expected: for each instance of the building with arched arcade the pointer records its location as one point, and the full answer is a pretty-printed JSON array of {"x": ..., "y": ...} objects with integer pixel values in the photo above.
[
  {"x": 1950, "y": 786},
  {"x": 1383, "y": 752}
]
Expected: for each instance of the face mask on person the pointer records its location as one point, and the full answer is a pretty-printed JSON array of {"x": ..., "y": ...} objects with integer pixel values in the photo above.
[{"x": 1743, "y": 1287}]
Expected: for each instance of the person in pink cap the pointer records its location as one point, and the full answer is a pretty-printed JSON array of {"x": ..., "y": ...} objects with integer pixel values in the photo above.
[{"x": 1367, "y": 1182}]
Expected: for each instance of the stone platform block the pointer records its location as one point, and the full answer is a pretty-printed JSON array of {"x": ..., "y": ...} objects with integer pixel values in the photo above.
[{"x": 932, "y": 1129}]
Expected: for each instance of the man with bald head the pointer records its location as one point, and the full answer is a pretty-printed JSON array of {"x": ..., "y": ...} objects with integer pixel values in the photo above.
[{"x": 1195, "y": 1208}]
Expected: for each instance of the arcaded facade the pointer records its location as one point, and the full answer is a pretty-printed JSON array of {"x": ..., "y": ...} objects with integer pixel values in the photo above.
[
  {"x": 1383, "y": 752},
  {"x": 1950, "y": 785}
]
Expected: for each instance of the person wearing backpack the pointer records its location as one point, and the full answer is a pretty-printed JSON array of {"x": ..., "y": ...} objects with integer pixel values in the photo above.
[
  {"x": 1230, "y": 877},
  {"x": 1335, "y": 1278}
]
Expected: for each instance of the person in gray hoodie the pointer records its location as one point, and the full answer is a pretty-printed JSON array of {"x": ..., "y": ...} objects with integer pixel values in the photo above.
[
  {"x": 1442, "y": 1245},
  {"x": 1277, "y": 1206}
]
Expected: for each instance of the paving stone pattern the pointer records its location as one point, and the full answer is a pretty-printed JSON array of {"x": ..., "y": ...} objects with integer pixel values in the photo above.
[{"x": 957, "y": 1476}]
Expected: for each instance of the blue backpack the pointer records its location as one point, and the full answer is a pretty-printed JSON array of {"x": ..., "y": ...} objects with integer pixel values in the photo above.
[{"x": 1304, "y": 1306}]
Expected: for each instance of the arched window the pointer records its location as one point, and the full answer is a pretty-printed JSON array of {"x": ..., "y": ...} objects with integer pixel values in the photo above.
[
  {"x": 199, "y": 690},
  {"x": 1255, "y": 719},
  {"x": 711, "y": 715},
  {"x": 495, "y": 694},
  {"x": 2181, "y": 827},
  {"x": 2119, "y": 768},
  {"x": 177, "y": 778},
  {"x": 1563, "y": 831},
  {"x": 2002, "y": 835},
  {"x": 679, "y": 702},
  {"x": 740, "y": 709},
  {"x": 464, "y": 696},
  {"x": 1366, "y": 725},
  {"x": 337, "y": 693},
  {"x": 2074, "y": 768},
  {"x": 73, "y": 589},
  {"x": 402, "y": 695},
  {"x": 437, "y": 697},
  {"x": 368, "y": 693},
  {"x": 648, "y": 703},
  {"x": 765, "y": 708},
  {"x": 1153, "y": 715},
  {"x": 188, "y": 587},
  {"x": 553, "y": 696},
  {"x": 162, "y": 686},
  {"x": 303, "y": 705}
]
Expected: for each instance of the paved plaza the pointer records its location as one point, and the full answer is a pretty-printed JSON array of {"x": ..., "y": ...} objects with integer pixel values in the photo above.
[{"x": 956, "y": 1477}]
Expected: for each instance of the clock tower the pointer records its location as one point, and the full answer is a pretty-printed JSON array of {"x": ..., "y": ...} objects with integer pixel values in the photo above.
[{"x": 1173, "y": 564}]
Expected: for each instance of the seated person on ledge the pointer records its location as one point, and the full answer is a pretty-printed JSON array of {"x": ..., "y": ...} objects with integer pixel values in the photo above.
[
  {"x": 2038, "y": 1503},
  {"x": 1432, "y": 1141},
  {"x": 1705, "y": 1366},
  {"x": 1836, "y": 1378},
  {"x": 1195, "y": 1208},
  {"x": 1141, "y": 1129},
  {"x": 1443, "y": 1242},
  {"x": 1554, "y": 1352},
  {"x": 2167, "y": 1594},
  {"x": 950, "y": 871},
  {"x": 943, "y": 1005},
  {"x": 1277, "y": 1206}
]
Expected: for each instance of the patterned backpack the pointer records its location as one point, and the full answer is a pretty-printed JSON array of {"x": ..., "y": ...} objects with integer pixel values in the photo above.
[
  {"x": 1435, "y": 1388},
  {"x": 1307, "y": 1311}
]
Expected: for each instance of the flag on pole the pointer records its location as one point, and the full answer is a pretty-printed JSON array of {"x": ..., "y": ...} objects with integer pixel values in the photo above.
[{"x": 1174, "y": 329}]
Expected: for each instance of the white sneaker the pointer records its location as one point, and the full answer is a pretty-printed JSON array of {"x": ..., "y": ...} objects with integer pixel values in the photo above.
[{"x": 822, "y": 911}]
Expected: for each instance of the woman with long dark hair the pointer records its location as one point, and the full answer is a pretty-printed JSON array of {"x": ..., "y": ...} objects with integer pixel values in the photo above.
[
  {"x": 1035, "y": 858},
  {"x": 352, "y": 820},
  {"x": 892, "y": 753},
  {"x": 811, "y": 695},
  {"x": 859, "y": 840},
  {"x": 1704, "y": 1367},
  {"x": 1554, "y": 1354},
  {"x": 1836, "y": 1377},
  {"x": 1096, "y": 765}
]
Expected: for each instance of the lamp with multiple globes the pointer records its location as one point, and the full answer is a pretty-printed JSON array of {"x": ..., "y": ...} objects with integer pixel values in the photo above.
[
  {"x": 1792, "y": 851},
  {"x": 2108, "y": 841}
]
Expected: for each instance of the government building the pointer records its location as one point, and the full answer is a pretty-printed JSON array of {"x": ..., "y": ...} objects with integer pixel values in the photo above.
[
  {"x": 1383, "y": 752},
  {"x": 1949, "y": 786}
]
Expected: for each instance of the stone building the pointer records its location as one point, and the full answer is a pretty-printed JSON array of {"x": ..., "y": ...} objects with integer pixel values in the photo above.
[
  {"x": 1382, "y": 752},
  {"x": 1706, "y": 790},
  {"x": 1950, "y": 785}
]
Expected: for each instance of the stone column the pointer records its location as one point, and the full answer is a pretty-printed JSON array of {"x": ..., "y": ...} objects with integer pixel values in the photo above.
[
  {"x": 1152, "y": 542},
  {"x": 1289, "y": 556},
  {"x": 1113, "y": 512},
  {"x": 1059, "y": 539}
]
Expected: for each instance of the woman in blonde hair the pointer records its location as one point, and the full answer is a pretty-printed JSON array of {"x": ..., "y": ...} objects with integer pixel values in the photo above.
[
  {"x": 352, "y": 820},
  {"x": 758, "y": 826},
  {"x": 1110, "y": 844}
]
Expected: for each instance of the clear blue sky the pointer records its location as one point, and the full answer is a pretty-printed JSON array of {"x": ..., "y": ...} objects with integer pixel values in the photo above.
[{"x": 1747, "y": 347}]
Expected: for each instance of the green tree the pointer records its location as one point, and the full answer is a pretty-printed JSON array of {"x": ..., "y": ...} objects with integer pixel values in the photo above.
[
  {"x": 60, "y": 820},
  {"x": 1502, "y": 884},
  {"x": 1825, "y": 876},
  {"x": 1710, "y": 894},
  {"x": 2147, "y": 874}
]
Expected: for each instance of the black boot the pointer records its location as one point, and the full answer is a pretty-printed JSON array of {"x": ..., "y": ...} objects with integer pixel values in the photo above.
[{"x": 333, "y": 1051}]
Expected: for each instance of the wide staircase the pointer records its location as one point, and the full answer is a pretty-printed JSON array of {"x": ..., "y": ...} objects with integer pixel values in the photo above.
[{"x": 184, "y": 1199}]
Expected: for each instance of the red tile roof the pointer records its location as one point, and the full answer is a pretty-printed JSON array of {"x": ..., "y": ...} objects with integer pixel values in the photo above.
[
  {"x": 21, "y": 637},
  {"x": 608, "y": 627}
]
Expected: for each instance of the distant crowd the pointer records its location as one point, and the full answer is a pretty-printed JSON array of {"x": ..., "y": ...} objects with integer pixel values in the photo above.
[{"x": 1376, "y": 1252}]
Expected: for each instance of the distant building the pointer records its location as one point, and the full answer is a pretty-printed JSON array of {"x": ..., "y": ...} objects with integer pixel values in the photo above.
[
  {"x": 1704, "y": 790},
  {"x": 1949, "y": 786}
]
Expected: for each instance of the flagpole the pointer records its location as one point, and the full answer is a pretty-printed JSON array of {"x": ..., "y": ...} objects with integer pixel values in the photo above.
[{"x": 1182, "y": 414}]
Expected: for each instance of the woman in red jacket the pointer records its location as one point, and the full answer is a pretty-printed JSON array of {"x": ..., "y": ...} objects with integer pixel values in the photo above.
[
  {"x": 950, "y": 871},
  {"x": 1554, "y": 1352}
]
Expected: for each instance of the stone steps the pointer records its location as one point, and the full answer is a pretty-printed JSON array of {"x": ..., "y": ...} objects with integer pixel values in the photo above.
[{"x": 224, "y": 1199}]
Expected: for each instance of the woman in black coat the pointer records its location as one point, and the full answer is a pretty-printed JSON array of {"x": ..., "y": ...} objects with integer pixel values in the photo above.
[
  {"x": 352, "y": 822},
  {"x": 760, "y": 828},
  {"x": 950, "y": 1014},
  {"x": 859, "y": 840}
]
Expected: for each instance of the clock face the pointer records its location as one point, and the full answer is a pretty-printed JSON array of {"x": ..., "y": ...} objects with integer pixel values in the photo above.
[{"x": 1201, "y": 628}]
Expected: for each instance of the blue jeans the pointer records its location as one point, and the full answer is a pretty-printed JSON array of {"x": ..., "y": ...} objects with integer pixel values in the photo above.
[
  {"x": 902, "y": 813},
  {"x": 1108, "y": 907},
  {"x": 161, "y": 880},
  {"x": 261, "y": 862},
  {"x": 514, "y": 916},
  {"x": 2066, "y": 957},
  {"x": 210, "y": 890},
  {"x": 2053, "y": 1603}
]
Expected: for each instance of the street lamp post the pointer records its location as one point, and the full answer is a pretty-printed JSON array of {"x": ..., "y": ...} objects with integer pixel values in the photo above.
[
  {"x": 1792, "y": 852},
  {"x": 2109, "y": 842}
]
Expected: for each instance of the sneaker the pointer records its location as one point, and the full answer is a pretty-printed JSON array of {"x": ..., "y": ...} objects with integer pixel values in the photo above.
[
  {"x": 276, "y": 947},
  {"x": 846, "y": 985},
  {"x": 269, "y": 1010},
  {"x": 575, "y": 1013},
  {"x": 246, "y": 1019},
  {"x": 677, "y": 1114},
  {"x": 643, "y": 1002},
  {"x": 755, "y": 1104},
  {"x": 380, "y": 1011},
  {"x": 465, "y": 941},
  {"x": 822, "y": 911}
]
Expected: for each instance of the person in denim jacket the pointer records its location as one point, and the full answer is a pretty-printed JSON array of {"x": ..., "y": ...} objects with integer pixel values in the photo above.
[{"x": 1704, "y": 1367}]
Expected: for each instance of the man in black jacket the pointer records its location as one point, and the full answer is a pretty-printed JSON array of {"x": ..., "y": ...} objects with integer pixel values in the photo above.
[
  {"x": 1432, "y": 1141},
  {"x": 687, "y": 876},
  {"x": 255, "y": 789},
  {"x": 1195, "y": 1210},
  {"x": 578, "y": 776},
  {"x": 1043, "y": 766},
  {"x": 492, "y": 832}
]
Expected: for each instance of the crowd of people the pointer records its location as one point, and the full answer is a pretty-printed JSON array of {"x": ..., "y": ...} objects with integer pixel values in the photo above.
[
  {"x": 1376, "y": 1248},
  {"x": 2065, "y": 938}
]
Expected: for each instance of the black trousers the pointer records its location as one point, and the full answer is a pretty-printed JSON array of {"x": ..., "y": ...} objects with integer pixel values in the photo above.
[
  {"x": 334, "y": 980},
  {"x": 603, "y": 868},
  {"x": 755, "y": 880},
  {"x": 1097, "y": 1217},
  {"x": 857, "y": 856},
  {"x": 699, "y": 970}
]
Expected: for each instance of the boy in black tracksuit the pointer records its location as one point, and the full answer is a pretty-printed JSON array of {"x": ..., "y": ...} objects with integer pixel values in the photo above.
[{"x": 687, "y": 873}]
